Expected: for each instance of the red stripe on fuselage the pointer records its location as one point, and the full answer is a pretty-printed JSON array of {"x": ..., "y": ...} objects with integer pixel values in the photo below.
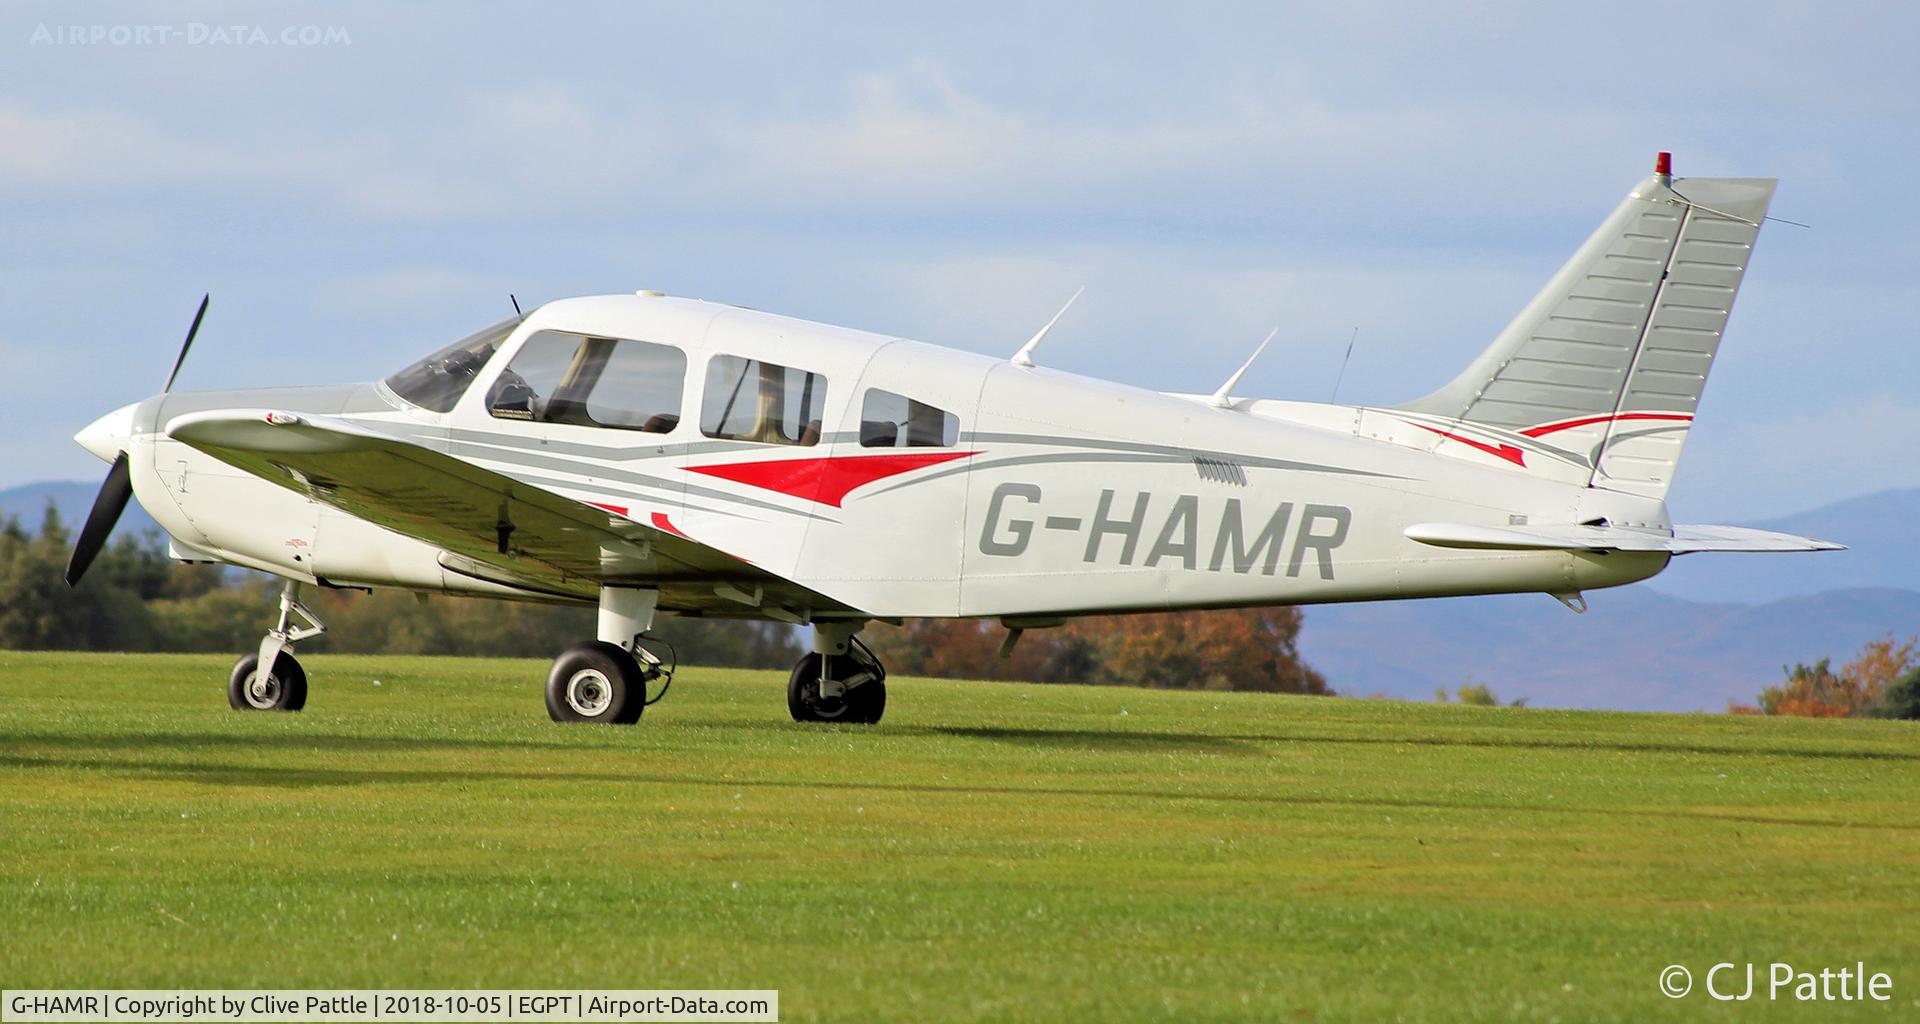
[
  {"x": 1503, "y": 451},
  {"x": 826, "y": 480}
]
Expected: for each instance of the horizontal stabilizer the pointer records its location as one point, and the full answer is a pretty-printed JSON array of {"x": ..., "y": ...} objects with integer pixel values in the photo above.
[{"x": 1679, "y": 541}]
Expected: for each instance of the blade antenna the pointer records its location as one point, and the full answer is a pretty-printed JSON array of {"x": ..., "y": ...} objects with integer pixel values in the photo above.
[
  {"x": 187, "y": 344},
  {"x": 1355, "y": 336},
  {"x": 1024, "y": 357},
  {"x": 1223, "y": 398}
]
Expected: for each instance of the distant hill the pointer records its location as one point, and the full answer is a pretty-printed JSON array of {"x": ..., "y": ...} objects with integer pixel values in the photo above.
[
  {"x": 28, "y": 503},
  {"x": 1634, "y": 649},
  {"x": 1881, "y": 531}
]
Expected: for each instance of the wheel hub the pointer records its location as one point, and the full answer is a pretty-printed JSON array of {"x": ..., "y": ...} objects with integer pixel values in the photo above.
[
  {"x": 263, "y": 691},
  {"x": 824, "y": 706},
  {"x": 589, "y": 693}
]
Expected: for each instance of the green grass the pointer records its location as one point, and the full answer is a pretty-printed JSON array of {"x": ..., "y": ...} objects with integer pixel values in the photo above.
[{"x": 991, "y": 852}]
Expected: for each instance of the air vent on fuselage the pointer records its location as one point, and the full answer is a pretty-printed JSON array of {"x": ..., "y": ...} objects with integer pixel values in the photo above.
[{"x": 1219, "y": 470}]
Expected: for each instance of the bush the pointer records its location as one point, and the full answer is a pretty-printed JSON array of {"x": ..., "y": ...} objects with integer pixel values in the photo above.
[{"x": 1903, "y": 698}]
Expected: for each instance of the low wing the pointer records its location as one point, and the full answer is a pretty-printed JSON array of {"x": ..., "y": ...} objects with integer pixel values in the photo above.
[
  {"x": 490, "y": 526},
  {"x": 1682, "y": 540}
]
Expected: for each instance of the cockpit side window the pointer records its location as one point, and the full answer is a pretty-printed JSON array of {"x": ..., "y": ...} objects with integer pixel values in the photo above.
[
  {"x": 438, "y": 381},
  {"x": 558, "y": 377},
  {"x": 888, "y": 420},
  {"x": 750, "y": 400}
]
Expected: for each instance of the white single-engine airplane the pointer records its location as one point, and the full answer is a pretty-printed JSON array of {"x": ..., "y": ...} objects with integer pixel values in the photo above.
[{"x": 654, "y": 454}]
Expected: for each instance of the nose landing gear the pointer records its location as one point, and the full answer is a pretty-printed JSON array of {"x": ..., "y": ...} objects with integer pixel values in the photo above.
[{"x": 283, "y": 687}]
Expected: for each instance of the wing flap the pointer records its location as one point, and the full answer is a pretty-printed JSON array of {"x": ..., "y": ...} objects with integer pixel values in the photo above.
[
  {"x": 488, "y": 525},
  {"x": 1574, "y": 537}
]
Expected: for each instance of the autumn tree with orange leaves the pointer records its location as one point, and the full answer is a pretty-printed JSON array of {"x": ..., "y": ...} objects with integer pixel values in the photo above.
[{"x": 1859, "y": 689}]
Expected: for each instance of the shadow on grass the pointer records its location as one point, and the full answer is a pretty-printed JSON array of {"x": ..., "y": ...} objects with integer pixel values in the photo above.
[
  {"x": 1126, "y": 740},
  {"x": 1103, "y": 740},
  {"x": 279, "y": 777},
  {"x": 1109, "y": 741}
]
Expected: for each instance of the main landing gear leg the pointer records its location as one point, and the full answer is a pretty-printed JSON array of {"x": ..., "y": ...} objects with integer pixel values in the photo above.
[
  {"x": 283, "y": 687},
  {"x": 841, "y": 681},
  {"x": 605, "y": 680}
]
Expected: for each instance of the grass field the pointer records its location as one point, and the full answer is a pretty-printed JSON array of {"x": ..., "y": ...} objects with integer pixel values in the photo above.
[{"x": 991, "y": 852}]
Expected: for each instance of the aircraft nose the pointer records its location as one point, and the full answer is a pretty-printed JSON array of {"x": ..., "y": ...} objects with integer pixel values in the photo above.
[{"x": 108, "y": 436}]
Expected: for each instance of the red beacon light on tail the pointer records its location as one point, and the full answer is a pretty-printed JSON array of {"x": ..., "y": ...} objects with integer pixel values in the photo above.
[{"x": 1663, "y": 167}]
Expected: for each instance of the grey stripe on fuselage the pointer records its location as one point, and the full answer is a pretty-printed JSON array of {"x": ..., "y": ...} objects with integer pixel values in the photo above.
[
  {"x": 552, "y": 456},
  {"x": 1176, "y": 451},
  {"x": 519, "y": 457},
  {"x": 549, "y": 483},
  {"x": 642, "y": 450},
  {"x": 1116, "y": 451}
]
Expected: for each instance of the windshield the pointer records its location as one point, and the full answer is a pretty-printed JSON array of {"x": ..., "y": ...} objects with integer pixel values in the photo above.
[{"x": 438, "y": 381}]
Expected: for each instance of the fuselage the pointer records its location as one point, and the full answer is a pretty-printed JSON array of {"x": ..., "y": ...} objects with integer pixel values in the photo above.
[{"x": 906, "y": 479}]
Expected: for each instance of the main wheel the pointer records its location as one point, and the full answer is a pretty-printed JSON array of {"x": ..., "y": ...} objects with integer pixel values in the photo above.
[
  {"x": 596, "y": 682},
  {"x": 284, "y": 688},
  {"x": 864, "y": 703}
]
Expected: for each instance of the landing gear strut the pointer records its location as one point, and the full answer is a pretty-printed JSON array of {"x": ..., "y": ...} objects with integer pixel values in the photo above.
[
  {"x": 283, "y": 687},
  {"x": 841, "y": 681},
  {"x": 605, "y": 680}
]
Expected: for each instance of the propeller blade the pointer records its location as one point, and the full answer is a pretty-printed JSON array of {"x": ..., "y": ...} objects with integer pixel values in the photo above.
[
  {"x": 187, "y": 344},
  {"x": 107, "y": 507}
]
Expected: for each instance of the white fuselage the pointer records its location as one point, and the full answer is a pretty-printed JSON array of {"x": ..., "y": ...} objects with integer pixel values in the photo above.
[{"x": 1060, "y": 495}]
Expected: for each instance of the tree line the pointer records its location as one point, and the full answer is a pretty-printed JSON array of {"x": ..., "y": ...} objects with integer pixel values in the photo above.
[{"x": 135, "y": 598}]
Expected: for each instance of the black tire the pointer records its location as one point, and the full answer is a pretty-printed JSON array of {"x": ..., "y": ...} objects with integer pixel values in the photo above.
[
  {"x": 286, "y": 688},
  {"x": 596, "y": 682},
  {"x": 863, "y": 704}
]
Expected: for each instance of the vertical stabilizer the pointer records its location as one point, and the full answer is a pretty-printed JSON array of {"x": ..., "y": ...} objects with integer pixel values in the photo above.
[{"x": 1606, "y": 365}]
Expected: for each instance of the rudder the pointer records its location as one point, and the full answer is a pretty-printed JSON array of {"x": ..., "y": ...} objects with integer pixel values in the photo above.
[{"x": 1607, "y": 364}]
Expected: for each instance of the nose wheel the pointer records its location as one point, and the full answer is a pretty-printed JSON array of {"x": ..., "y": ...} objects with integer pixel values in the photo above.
[{"x": 283, "y": 687}]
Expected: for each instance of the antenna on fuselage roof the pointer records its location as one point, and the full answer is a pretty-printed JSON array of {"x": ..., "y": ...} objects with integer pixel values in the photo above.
[
  {"x": 1344, "y": 360},
  {"x": 516, "y": 304},
  {"x": 1024, "y": 357},
  {"x": 1223, "y": 398}
]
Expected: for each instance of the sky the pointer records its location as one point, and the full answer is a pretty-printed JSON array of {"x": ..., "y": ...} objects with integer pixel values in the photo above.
[{"x": 358, "y": 183}]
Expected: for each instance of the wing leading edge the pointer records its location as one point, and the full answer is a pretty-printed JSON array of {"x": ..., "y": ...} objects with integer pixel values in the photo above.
[
  {"x": 1680, "y": 541},
  {"x": 488, "y": 525}
]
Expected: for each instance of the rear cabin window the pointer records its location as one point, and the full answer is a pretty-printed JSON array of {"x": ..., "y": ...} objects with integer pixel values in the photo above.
[
  {"x": 558, "y": 377},
  {"x": 888, "y": 420},
  {"x": 750, "y": 400}
]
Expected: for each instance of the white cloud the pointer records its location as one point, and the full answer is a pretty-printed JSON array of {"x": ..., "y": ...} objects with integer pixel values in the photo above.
[
  {"x": 905, "y": 141},
  {"x": 89, "y": 148}
]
